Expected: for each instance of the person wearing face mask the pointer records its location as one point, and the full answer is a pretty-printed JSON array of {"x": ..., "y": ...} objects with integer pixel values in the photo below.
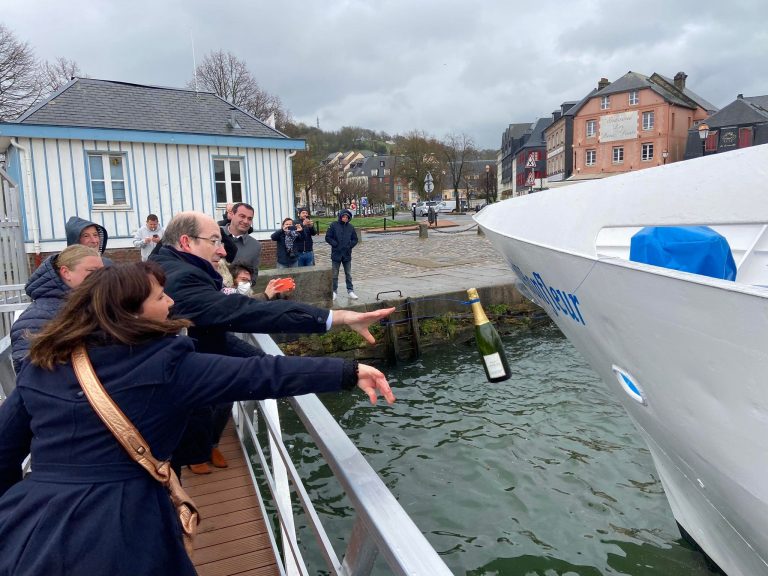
[
  {"x": 88, "y": 507},
  {"x": 48, "y": 287},
  {"x": 237, "y": 279},
  {"x": 190, "y": 259}
]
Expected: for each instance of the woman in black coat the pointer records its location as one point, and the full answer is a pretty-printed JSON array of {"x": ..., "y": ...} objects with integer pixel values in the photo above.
[
  {"x": 286, "y": 238},
  {"x": 48, "y": 286},
  {"x": 87, "y": 507}
]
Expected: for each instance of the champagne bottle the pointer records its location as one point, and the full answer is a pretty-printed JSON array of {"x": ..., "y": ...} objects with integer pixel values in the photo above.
[{"x": 488, "y": 342}]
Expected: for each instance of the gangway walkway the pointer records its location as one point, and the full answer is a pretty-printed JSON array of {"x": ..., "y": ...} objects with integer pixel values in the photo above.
[{"x": 232, "y": 537}]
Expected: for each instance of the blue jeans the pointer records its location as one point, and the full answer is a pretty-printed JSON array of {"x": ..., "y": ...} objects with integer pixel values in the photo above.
[
  {"x": 347, "y": 274},
  {"x": 306, "y": 259}
]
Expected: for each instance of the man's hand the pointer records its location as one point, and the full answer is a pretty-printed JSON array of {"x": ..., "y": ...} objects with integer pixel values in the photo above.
[
  {"x": 360, "y": 321},
  {"x": 373, "y": 383}
]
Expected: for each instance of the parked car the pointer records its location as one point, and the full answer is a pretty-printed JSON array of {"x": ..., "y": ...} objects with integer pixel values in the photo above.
[
  {"x": 479, "y": 207},
  {"x": 423, "y": 207}
]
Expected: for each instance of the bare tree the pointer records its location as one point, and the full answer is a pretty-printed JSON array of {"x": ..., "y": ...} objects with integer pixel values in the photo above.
[
  {"x": 229, "y": 77},
  {"x": 54, "y": 75},
  {"x": 417, "y": 154},
  {"x": 19, "y": 86},
  {"x": 457, "y": 150}
]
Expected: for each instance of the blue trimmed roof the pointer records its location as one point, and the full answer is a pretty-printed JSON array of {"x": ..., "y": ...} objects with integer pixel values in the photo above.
[{"x": 105, "y": 104}]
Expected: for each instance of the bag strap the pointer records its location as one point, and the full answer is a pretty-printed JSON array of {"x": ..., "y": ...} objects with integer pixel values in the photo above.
[{"x": 115, "y": 420}]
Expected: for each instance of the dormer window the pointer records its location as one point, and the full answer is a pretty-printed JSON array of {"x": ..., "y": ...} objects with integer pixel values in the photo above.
[{"x": 605, "y": 102}]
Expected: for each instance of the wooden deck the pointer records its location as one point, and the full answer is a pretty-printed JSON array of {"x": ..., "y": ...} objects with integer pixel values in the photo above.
[{"x": 232, "y": 538}]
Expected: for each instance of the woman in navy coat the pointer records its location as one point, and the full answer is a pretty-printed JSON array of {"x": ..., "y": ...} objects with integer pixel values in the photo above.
[{"x": 87, "y": 507}]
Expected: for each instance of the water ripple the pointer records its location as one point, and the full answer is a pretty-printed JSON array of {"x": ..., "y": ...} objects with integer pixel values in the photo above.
[{"x": 543, "y": 474}]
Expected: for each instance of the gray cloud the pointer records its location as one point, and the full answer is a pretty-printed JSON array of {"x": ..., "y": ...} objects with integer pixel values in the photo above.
[{"x": 441, "y": 66}]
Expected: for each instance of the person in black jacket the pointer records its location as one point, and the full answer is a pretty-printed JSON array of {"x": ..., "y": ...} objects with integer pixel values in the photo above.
[
  {"x": 304, "y": 244},
  {"x": 48, "y": 287},
  {"x": 342, "y": 237},
  {"x": 193, "y": 246},
  {"x": 88, "y": 508},
  {"x": 286, "y": 239}
]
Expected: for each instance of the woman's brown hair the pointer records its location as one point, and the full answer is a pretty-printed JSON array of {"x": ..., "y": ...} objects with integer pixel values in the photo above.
[{"x": 107, "y": 304}]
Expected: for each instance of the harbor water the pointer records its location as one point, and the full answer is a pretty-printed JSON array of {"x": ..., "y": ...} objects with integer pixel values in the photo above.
[{"x": 543, "y": 474}]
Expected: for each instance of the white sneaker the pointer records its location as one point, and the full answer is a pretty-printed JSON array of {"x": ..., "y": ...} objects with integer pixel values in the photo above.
[
  {"x": 352, "y": 295},
  {"x": 334, "y": 295}
]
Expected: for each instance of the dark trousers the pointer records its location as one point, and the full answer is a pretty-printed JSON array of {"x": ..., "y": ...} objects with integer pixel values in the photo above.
[{"x": 347, "y": 274}]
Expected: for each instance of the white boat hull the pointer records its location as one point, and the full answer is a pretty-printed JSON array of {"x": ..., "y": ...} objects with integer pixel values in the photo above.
[{"x": 696, "y": 351}]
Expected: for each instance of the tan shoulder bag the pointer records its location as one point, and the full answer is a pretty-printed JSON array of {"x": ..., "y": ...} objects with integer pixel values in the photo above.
[{"x": 133, "y": 442}]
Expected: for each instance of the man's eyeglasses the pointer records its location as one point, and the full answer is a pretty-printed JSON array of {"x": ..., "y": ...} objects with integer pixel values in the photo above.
[{"x": 215, "y": 241}]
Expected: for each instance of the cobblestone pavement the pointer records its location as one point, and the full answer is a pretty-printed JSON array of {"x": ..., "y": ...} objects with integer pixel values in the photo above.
[{"x": 405, "y": 254}]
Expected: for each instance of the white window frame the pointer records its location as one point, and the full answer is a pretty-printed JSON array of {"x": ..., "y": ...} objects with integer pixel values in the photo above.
[
  {"x": 634, "y": 98},
  {"x": 591, "y": 128},
  {"x": 617, "y": 156},
  {"x": 649, "y": 120},
  {"x": 646, "y": 153},
  {"x": 108, "y": 192},
  {"x": 590, "y": 158},
  {"x": 228, "y": 179},
  {"x": 605, "y": 102}
]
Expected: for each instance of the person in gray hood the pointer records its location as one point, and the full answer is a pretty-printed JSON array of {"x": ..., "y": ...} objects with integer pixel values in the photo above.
[{"x": 87, "y": 233}]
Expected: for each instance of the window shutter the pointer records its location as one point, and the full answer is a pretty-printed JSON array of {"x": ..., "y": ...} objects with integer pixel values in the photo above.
[
  {"x": 745, "y": 137},
  {"x": 711, "y": 143}
]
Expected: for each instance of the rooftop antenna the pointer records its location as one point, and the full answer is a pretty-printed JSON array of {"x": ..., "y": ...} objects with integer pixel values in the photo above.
[{"x": 194, "y": 62}]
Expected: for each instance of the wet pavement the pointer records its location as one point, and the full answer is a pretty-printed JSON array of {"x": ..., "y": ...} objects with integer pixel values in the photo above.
[{"x": 452, "y": 258}]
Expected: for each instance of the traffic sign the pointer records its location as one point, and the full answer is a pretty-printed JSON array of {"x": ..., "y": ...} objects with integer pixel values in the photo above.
[
  {"x": 353, "y": 206},
  {"x": 428, "y": 177},
  {"x": 364, "y": 201},
  {"x": 531, "y": 160},
  {"x": 531, "y": 180},
  {"x": 429, "y": 186}
]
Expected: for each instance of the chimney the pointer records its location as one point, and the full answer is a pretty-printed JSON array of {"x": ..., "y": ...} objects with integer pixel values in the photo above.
[
  {"x": 739, "y": 96},
  {"x": 603, "y": 83},
  {"x": 680, "y": 80},
  {"x": 556, "y": 115}
]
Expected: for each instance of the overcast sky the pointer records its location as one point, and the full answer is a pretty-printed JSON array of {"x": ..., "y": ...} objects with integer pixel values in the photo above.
[{"x": 441, "y": 66}]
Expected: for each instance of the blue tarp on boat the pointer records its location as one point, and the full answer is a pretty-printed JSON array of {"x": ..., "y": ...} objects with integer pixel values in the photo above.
[{"x": 697, "y": 249}]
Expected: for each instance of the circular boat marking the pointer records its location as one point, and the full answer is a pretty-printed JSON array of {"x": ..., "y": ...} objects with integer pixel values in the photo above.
[{"x": 629, "y": 385}]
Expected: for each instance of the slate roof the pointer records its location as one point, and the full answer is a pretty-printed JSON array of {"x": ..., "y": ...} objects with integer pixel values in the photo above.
[
  {"x": 537, "y": 135},
  {"x": 578, "y": 105},
  {"x": 364, "y": 166},
  {"x": 663, "y": 86},
  {"x": 91, "y": 103},
  {"x": 708, "y": 106},
  {"x": 746, "y": 110}
]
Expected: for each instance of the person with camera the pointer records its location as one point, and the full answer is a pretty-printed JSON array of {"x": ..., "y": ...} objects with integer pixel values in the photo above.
[
  {"x": 148, "y": 236},
  {"x": 286, "y": 238},
  {"x": 304, "y": 244}
]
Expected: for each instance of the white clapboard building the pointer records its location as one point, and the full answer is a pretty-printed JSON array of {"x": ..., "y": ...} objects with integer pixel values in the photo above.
[{"x": 113, "y": 152}]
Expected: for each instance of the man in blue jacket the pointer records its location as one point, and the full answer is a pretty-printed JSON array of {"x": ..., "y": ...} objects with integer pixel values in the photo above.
[
  {"x": 189, "y": 256},
  {"x": 342, "y": 237}
]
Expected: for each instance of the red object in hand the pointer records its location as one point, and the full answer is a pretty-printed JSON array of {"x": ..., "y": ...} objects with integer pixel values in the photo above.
[{"x": 284, "y": 285}]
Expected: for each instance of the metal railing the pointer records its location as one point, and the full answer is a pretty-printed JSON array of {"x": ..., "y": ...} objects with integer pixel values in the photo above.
[
  {"x": 381, "y": 526},
  {"x": 13, "y": 300},
  {"x": 14, "y": 268}
]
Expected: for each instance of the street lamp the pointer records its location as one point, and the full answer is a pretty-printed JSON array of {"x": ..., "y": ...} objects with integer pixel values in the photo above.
[
  {"x": 703, "y": 133},
  {"x": 487, "y": 182},
  {"x": 664, "y": 155}
]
